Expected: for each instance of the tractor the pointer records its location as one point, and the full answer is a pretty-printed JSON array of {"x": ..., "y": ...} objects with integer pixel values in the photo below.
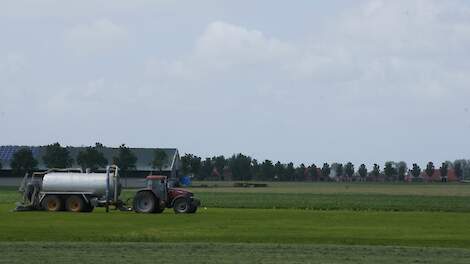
[{"x": 158, "y": 195}]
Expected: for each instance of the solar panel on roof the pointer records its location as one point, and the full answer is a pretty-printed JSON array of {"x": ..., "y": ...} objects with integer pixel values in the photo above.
[{"x": 6, "y": 152}]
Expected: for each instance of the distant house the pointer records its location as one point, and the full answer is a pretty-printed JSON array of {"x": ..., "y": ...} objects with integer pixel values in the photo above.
[
  {"x": 225, "y": 175},
  {"x": 145, "y": 156},
  {"x": 435, "y": 177},
  {"x": 308, "y": 177}
]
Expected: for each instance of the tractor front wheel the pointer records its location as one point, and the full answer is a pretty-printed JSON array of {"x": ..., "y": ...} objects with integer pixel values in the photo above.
[
  {"x": 144, "y": 202},
  {"x": 181, "y": 206}
]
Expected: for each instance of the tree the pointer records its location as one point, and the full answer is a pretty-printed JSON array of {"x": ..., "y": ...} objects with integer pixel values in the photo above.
[
  {"x": 325, "y": 171},
  {"x": 416, "y": 170},
  {"x": 279, "y": 171},
  {"x": 186, "y": 163},
  {"x": 376, "y": 171},
  {"x": 125, "y": 160},
  {"x": 290, "y": 171},
  {"x": 429, "y": 170},
  {"x": 337, "y": 168},
  {"x": 401, "y": 170},
  {"x": 241, "y": 167},
  {"x": 91, "y": 158},
  {"x": 206, "y": 169},
  {"x": 0, "y": 165},
  {"x": 459, "y": 168},
  {"x": 219, "y": 164},
  {"x": 362, "y": 171},
  {"x": 300, "y": 172},
  {"x": 256, "y": 170},
  {"x": 443, "y": 171},
  {"x": 267, "y": 170},
  {"x": 57, "y": 157},
  {"x": 195, "y": 164},
  {"x": 23, "y": 162},
  {"x": 389, "y": 170},
  {"x": 313, "y": 172},
  {"x": 159, "y": 159},
  {"x": 349, "y": 170}
]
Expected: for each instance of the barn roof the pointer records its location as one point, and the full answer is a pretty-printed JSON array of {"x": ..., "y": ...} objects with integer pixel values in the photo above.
[{"x": 144, "y": 156}]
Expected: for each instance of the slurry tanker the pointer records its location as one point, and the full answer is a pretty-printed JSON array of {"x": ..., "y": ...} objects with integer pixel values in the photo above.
[{"x": 77, "y": 191}]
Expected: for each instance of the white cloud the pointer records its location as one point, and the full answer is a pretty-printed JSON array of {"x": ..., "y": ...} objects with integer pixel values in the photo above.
[
  {"x": 398, "y": 45},
  {"x": 403, "y": 46},
  {"x": 98, "y": 36},
  {"x": 12, "y": 63},
  {"x": 222, "y": 47}
]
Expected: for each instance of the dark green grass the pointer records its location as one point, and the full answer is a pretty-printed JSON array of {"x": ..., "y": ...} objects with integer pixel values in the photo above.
[
  {"x": 86, "y": 252},
  {"x": 433, "y": 229},
  {"x": 373, "y": 202},
  {"x": 314, "y": 201},
  {"x": 390, "y": 188},
  {"x": 377, "y": 202}
]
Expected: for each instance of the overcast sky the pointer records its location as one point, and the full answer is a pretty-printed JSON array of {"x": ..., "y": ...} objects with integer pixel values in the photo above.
[{"x": 302, "y": 81}]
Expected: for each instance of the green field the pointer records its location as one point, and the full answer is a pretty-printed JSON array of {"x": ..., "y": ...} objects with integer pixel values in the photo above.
[
  {"x": 424, "y": 189},
  {"x": 342, "y": 223},
  {"x": 124, "y": 252}
]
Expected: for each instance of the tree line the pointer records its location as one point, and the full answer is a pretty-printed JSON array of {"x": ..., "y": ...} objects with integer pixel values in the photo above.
[
  {"x": 243, "y": 167},
  {"x": 91, "y": 158},
  {"x": 237, "y": 167}
]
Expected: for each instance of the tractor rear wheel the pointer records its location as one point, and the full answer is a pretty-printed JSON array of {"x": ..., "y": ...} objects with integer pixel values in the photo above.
[
  {"x": 75, "y": 204},
  {"x": 144, "y": 202},
  {"x": 181, "y": 206},
  {"x": 52, "y": 203}
]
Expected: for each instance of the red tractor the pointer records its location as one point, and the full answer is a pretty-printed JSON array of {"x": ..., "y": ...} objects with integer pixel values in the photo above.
[{"x": 158, "y": 195}]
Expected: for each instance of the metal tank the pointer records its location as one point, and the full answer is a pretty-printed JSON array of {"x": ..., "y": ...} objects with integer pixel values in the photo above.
[{"x": 93, "y": 183}]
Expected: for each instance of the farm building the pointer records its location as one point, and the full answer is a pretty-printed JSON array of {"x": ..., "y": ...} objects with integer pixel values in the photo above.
[
  {"x": 436, "y": 176},
  {"x": 144, "y": 157}
]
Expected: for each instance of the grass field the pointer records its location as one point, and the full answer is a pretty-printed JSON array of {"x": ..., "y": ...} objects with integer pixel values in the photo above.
[
  {"x": 223, "y": 253},
  {"x": 424, "y": 189},
  {"x": 368, "y": 201},
  {"x": 356, "y": 224}
]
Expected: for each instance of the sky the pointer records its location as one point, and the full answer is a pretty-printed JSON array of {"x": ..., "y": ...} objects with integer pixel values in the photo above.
[{"x": 303, "y": 81}]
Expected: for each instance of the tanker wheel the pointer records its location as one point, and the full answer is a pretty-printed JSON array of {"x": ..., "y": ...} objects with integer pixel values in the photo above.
[
  {"x": 144, "y": 202},
  {"x": 52, "y": 203},
  {"x": 75, "y": 204},
  {"x": 181, "y": 206}
]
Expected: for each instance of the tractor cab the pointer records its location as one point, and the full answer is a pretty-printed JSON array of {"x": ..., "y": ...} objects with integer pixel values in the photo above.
[{"x": 159, "y": 186}]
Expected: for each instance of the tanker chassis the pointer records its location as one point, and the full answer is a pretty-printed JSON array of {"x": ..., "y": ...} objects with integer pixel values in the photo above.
[{"x": 75, "y": 191}]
